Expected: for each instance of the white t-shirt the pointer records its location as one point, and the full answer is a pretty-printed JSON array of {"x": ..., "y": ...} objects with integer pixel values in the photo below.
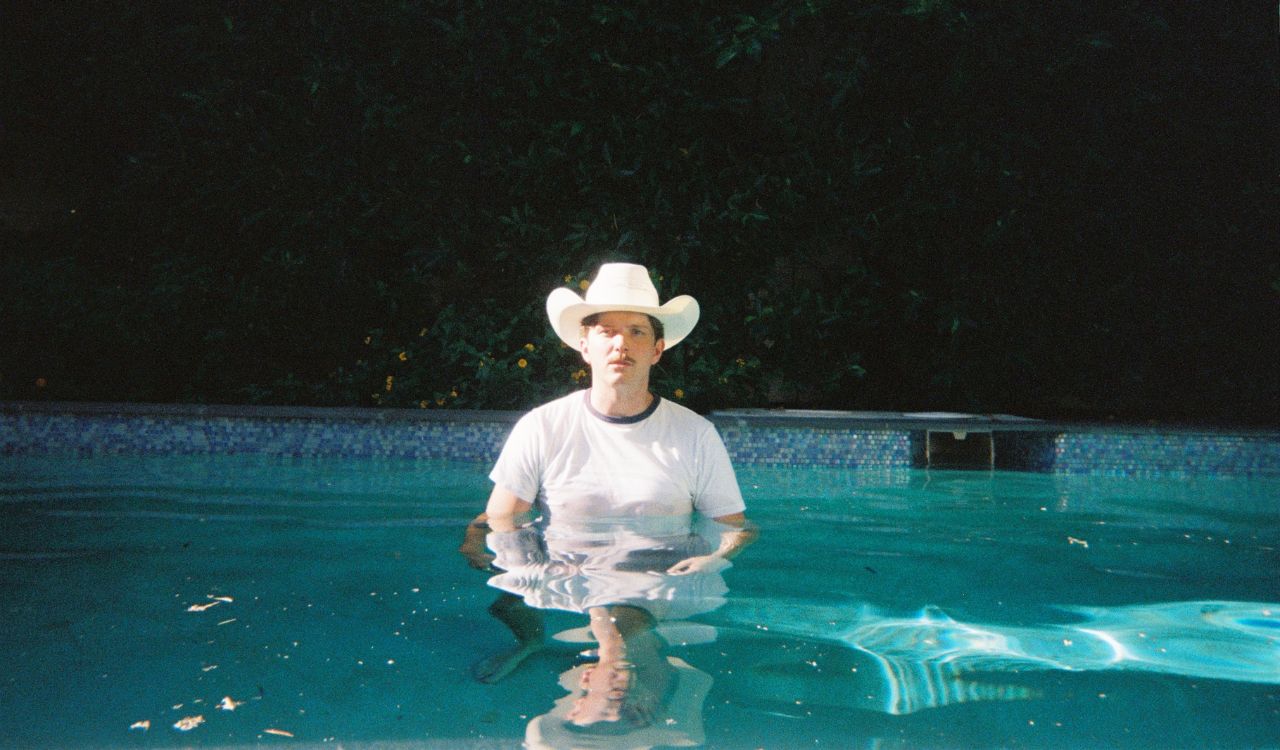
[
  {"x": 572, "y": 462},
  {"x": 576, "y": 565}
]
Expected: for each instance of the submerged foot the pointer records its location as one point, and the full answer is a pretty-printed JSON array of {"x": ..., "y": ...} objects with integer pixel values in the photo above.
[{"x": 491, "y": 669}]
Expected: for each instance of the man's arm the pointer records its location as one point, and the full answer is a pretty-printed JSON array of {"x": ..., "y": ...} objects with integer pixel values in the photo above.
[
  {"x": 737, "y": 534},
  {"x": 737, "y": 537},
  {"x": 473, "y": 547},
  {"x": 502, "y": 513},
  {"x": 505, "y": 509}
]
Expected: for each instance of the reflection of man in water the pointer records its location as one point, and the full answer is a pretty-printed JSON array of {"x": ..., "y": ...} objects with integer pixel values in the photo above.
[
  {"x": 633, "y": 696},
  {"x": 614, "y": 451}
]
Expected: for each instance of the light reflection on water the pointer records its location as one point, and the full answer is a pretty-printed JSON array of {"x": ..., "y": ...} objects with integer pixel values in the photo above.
[
  {"x": 930, "y": 660},
  {"x": 878, "y": 609},
  {"x": 918, "y": 662}
]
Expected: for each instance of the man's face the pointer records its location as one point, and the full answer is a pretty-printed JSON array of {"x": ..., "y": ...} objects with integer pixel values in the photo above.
[
  {"x": 605, "y": 687},
  {"x": 621, "y": 348}
]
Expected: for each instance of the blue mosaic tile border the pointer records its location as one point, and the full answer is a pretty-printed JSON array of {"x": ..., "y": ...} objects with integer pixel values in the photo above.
[
  {"x": 109, "y": 434},
  {"x": 478, "y": 437},
  {"x": 94, "y": 434},
  {"x": 815, "y": 446},
  {"x": 1125, "y": 454},
  {"x": 1120, "y": 453}
]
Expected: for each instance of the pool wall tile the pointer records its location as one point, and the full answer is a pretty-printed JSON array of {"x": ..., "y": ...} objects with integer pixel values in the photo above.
[
  {"x": 1171, "y": 454},
  {"x": 1025, "y": 451},
  {"x": 27, "y": 429},
  {"x": 844, "y": 448},
  {"x": 99, "y": 434}
]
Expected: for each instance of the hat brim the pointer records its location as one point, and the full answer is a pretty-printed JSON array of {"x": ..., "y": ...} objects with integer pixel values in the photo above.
[{"x": 566, "y": 310}]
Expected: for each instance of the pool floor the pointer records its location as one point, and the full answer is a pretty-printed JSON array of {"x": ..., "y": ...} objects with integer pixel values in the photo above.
[{"x": 322, "y": 602}]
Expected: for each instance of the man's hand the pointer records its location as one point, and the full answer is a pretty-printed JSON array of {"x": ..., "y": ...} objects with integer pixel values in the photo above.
[
  {"x": 478, "y": 558},
  {"x": 737, "y": 533},
  {"x": 473, "y": 547},
  {"x": 699, "y": 564}
]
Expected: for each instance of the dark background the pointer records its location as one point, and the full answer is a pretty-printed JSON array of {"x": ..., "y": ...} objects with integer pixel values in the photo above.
[{"x": 1060, "y": 210}]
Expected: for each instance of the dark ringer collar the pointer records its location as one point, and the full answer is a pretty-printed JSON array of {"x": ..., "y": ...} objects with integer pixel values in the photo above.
[{"x": 653, "y": 406}]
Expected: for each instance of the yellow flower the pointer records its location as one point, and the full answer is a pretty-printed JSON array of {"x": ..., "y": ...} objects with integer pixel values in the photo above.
[
  {"x": 439, "y": 402},
  {"x": 522, "y": 363},
  {"x": 742, "y": 362},
  {"x": 422, "y": 404},
  {"x": 584, "y": 284},
  {"x": 453, "y": 393},
  {"x": 529, "y": 347},
  {"x": 422, "y": 333},
  {"x": 367, "y": 339},
  {"x": 390, "y": 379},
  {"x": 568, "y": 279},
  {"x": 679, "y": 393},
  {"x": 579, "y": 375},
  {"x": 404, "y": 357}
]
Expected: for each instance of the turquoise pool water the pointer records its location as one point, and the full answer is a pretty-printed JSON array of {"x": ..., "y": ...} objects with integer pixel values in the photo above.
[{"x": 325, "y": 601}]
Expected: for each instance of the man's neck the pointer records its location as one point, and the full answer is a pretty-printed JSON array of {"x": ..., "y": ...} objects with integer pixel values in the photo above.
[{"x": 620, "y": 401}]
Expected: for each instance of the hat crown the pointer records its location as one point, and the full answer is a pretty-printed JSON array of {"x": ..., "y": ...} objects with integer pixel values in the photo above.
[
  {"x": 620, "y": 287},
  {"x": 622, "y": 284}
]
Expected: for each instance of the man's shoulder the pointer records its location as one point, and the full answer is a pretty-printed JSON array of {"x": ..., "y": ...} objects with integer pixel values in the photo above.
[
  {"x": 684, "y": 415},
  {"x": 556, "y": 408},
  {"x": 547, "y": 422}
]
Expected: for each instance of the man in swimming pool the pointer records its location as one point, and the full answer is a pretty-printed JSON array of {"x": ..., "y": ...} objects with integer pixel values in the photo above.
[{"x": 615, "y": 450}]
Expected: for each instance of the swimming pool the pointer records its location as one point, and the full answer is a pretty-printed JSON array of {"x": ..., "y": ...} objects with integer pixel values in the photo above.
[{"x": 323, "y": 600}]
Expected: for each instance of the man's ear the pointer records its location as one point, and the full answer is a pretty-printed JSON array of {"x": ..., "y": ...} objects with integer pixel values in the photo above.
[
  {"x": 582, "y": 349},
  {"x": 658, "y": 348}
]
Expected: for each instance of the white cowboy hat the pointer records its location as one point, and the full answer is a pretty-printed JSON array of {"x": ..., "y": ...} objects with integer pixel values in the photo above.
[{"x": 620, "y": 287}]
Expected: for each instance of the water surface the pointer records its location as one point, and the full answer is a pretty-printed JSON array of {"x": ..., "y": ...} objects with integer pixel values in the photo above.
[{"x": 325, "y": 600}]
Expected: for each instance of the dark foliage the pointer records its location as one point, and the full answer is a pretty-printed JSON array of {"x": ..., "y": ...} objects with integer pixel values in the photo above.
[{"x": 1056, "y": 209}]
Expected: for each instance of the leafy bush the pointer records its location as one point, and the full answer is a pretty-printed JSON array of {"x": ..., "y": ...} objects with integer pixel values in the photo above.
[{"x": 1053, "y": 209}]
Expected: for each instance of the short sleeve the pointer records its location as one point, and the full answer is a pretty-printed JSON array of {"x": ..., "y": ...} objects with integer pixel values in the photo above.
[
  {"x": 716, "y": 489},
  {"x": 519, "y": 465}
]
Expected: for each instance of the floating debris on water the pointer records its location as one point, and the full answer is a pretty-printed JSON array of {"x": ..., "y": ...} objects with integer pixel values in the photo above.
[
  {"x": 213, "y": 602},
  {"x": 140, "y": 726},
  {"x": 278, "y": 732},
  {"x": 187, "y": 723},
  {"x": 229, "y": 704}
]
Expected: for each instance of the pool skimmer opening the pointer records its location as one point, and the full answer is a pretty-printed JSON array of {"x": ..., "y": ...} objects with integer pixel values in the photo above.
[{"x": 959, "y": 449}]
